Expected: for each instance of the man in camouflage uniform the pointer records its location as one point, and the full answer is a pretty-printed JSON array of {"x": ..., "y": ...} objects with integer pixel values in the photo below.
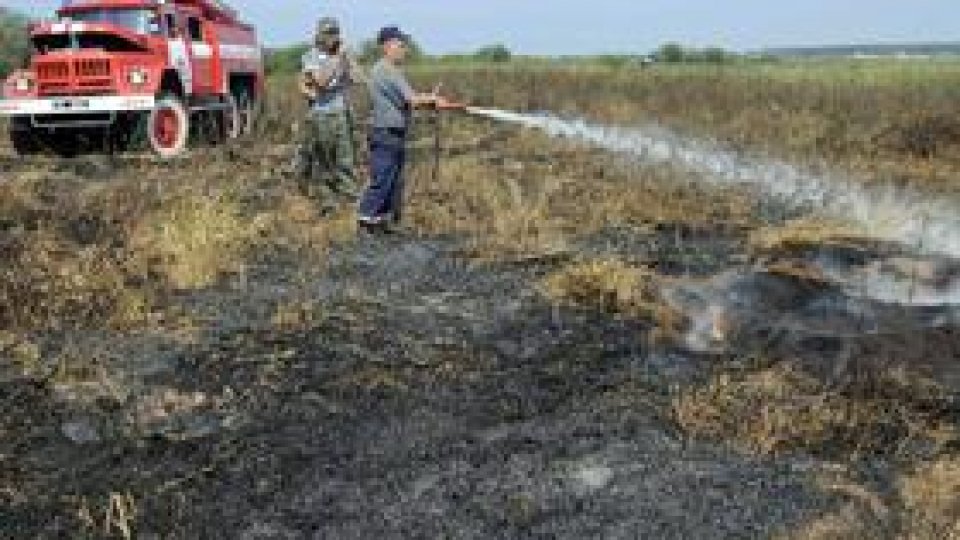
[{"x": 327, "y": 155}]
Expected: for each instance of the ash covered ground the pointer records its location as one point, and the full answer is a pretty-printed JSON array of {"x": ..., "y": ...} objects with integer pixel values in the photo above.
[{"x": 457, "y": 382}]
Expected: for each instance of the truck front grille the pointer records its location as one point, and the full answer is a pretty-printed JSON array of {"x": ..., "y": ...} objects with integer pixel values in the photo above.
[
  {"x": 76, "y": 76},
  {"x": 53, "y": 70},
  {"x": 92, "y": 68}
]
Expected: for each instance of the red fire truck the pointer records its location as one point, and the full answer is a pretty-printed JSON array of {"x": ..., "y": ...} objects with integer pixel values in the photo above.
[{"x": 117, "y": 71}]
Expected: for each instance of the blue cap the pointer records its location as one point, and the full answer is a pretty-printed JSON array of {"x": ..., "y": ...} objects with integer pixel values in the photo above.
[{"x": 388, "y": 33}]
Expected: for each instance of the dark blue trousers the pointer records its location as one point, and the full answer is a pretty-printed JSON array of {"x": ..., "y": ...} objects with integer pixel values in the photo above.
[{"x": 384, "y": 196}]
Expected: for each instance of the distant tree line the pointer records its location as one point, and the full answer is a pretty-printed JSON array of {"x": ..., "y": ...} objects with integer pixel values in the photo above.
[
  {"x": 675, "y": 53},
  {"x": 888, "y": 49},
  {"x": 14, "y": 43},
  {"x": 287, "y": 59}
]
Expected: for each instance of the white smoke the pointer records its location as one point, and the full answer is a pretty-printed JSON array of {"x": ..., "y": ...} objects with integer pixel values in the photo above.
[{"x": 927, "y": 224}]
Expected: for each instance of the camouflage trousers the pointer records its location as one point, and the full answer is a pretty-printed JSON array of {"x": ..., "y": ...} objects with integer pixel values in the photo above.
[{"x": 326, "y": 155}]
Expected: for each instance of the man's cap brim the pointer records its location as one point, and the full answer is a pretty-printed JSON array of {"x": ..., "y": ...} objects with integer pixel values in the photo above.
[{"x": 391, "y": 35}]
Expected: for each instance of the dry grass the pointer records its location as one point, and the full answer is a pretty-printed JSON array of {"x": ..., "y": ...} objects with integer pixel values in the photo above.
[
  {"x": 115, "y": 518},
  {"x": 805, "y": 232},
  {"x": 84, "y": 253},
  {"x": 533, "y": 196},
  {"x": 195, "y": 239},
  {"x": 297, "y": 315},
  {"x": 931, "y": 498},
  {"x": 505, "y": 205},
  {"x": 924, "y": 504},
  {"x": 847, "y": 523},
  {"x": 612, "y": 286},
  {"x": 780, "y": 409},
  {"x": 50, "y": 283},
  {"x": 888, "y": 123}
]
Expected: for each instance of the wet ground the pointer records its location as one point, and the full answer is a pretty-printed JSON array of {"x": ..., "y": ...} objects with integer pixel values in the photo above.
[{"x": 421, "y": 393}]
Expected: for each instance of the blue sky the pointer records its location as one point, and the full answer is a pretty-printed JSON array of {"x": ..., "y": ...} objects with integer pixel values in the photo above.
[{"x": 596, "y": 26}]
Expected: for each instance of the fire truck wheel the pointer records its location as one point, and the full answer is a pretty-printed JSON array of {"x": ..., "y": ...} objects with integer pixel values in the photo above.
[
  {"x": 238, "y": 119},
  {"x": 168, "y": 127},
  {"x": 65, "y": 143},
  {"x": 247, "y": 113},
  {"x": 232, "y": 118},
  {"x": 24, "y": 142}
]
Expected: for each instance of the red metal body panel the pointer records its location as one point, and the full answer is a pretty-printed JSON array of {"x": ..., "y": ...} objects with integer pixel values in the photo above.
[{"x": 227, "y": 47}]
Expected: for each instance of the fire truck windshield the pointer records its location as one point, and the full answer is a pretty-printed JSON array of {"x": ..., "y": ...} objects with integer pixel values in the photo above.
[{"x": 141, "y": 21}]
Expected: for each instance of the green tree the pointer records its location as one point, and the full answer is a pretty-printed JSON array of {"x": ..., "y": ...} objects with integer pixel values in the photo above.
[
  {"x": 285, "y": 60},
  {"x": 497, "y": 53},
  {"x": 14, "y": 41},
  {"x": 671, "y": 53},
  {"x": 716, "y": 55}
]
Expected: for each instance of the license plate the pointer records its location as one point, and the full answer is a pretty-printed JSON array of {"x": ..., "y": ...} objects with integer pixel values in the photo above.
[{"x": 71, "y": 104}]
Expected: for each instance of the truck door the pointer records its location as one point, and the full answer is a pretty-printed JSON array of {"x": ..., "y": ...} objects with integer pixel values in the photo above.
[
  {"x": 203, "y": 57},
  {"x": 180, "y": 54}
]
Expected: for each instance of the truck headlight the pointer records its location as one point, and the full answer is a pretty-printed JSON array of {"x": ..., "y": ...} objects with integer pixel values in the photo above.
[
  {"x": 22, "y": 84},
  {"x": 138, "y": 76}
]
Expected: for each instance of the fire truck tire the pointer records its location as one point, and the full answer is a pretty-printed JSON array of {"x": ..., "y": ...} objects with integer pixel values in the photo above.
[
  {"x": 65, "y": 143},
  {"x": 232, "y": 118},
  {"x": 129, "y": 133},
  {"x": 24, "y": 142},
  {"x": 239, "y": 115},
  {"x": 168, "y": 127},
  {"x": 248, "y": 113}
]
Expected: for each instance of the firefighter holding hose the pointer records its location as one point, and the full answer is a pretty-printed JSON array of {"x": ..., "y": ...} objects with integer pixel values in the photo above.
[
  {"x": 393, "y": 101},
  {"x": 327, "y": 155}
]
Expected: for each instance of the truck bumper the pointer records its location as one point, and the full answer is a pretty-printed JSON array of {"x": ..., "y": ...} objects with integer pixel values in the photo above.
[{"x": 74, "y": 105}]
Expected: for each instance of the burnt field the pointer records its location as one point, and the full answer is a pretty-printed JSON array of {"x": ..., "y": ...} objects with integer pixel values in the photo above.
[{"x": 572, "y": 342}]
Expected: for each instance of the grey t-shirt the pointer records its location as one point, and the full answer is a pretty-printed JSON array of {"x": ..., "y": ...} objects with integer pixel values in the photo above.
[
  {"x": 332, "y": 97},
  {"x": 390, "y": 95}
]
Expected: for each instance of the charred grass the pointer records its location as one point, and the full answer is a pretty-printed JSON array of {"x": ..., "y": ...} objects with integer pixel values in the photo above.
[
  {"x": 885, "y": 124},
  {"x": 117, "y": 243}
]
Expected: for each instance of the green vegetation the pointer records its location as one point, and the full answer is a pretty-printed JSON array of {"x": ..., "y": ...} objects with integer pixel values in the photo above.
[
  {"x": 675, "y": 53},
  {"x": 287, "y": 59},
  {"x": 493, "y": 53},
  {"x": 14, "y": 46},
  {"x": 915, "y": 49}
]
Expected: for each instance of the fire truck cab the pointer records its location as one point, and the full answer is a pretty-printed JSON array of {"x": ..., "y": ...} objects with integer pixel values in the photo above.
[{"x": 117, "y": 70}]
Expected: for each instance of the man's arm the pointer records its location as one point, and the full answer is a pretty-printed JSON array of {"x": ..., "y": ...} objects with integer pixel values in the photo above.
[
  {"x": 416, "y": 99},
  {"x": 318, "y": 75},
  {"x": 435, "y": 99},
  {"x": 424, "y": 100}
]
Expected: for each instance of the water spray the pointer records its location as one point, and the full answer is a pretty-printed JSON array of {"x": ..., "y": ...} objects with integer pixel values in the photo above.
[
  {"x": 893, "y": 213},
  {"x": 929, "y": 225}
]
